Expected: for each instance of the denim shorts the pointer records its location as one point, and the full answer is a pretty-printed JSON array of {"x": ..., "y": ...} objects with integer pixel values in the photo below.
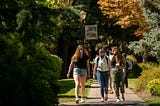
[{"x": 80, "y": 72}]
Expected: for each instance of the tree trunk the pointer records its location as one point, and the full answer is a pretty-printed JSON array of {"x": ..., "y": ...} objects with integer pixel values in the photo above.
[
  {"x": 144, "y": 60},
  {"x": 63, "y": 53}
]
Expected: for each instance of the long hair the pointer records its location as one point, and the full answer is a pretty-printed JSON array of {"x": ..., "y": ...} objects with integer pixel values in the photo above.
[
  {"x": 118, "y": 56},
  {"x": 77, "y": 53}
]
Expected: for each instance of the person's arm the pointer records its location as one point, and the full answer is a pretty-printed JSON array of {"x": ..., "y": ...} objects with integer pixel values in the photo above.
[
  {"x": 109, "y": 64},
  {"x": 70, "y": 68},
  {"x": 124, "y": 63},
  {"x": 130, "y": 65},
  {"x": 94, "y": 70},
  {"x": 88, "y": 68}
]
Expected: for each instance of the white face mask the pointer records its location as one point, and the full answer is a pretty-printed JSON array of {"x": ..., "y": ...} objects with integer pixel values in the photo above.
[{"x": 81, "y": 51}]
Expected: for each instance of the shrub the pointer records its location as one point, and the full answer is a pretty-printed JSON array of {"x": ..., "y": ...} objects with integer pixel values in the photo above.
[
  {"x": 147, "y": 66},
  {"x": 28, "y": 74},
  {"x": 138, "y": 67},
  {"x": 136, "y": 70},
  {"x": 146, "y": 76},
  {"x": 154, "y": 87},
  {"x": 132, "y": 58}
]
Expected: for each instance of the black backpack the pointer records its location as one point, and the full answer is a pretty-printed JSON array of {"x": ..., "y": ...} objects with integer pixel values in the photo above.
[{"x": 99, "y": 57}]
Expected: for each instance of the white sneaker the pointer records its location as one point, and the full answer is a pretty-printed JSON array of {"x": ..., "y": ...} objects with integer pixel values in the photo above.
[
  {"x": 101, "y": 100},
  {"x": 76, "y": 101},
  {"x": 109, "y": 89},
  {"x": 118, "y": 100},
  {"x": 123, "y": 99},
  {"x": 82, "y": 100}
]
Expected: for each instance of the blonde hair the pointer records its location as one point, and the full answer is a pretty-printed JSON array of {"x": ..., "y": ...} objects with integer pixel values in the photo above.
[{"x": 77, "y": 53}]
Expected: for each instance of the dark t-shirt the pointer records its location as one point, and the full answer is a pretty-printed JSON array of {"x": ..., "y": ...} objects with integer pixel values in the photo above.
[
  {"x": 113, "y": 63},
  {"x": 81, "y": 63}
]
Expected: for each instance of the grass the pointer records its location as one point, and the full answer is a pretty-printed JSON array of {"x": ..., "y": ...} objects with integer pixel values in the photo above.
[
  {"x": 67, "y": 90},
  {"x": 153, "y": 101},
  {"x": 132, "y": 82}
]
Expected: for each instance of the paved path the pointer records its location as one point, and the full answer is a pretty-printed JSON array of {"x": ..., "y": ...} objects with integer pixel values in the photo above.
[{"x": 94, "y": 97}]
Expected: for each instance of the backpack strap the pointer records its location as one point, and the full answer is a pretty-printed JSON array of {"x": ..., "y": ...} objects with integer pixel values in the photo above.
[
  {"x": 97, "y": 60},
  {"x": 105, "y": 57}
]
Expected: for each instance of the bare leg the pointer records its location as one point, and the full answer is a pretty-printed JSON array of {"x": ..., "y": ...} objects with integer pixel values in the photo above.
[
  {"x": 77, "y": 84},
  {"x": 82, "y": 81}
]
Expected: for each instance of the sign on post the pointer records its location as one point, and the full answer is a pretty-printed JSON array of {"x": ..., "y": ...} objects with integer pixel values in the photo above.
[{"x": 91, "y": 32}]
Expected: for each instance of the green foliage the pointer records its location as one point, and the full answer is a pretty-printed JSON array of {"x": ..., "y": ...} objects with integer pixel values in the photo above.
[
  {"x": 150, "y": 44},
  {"x": 136, "y": 70},
  {"x": 39, "y": 24},
  {"x": 140, "y": 48},
  {"x": 28, "y": 73},
  {"x": 147, "y": 66},
  {"x": 152, "y": 101},
  {"x": 47, "y": 3},
  {"x": 22, "y": 16},
  {"x": 154, "y": 87},
  {"x": 132, "y": 58},
  {"x": 151, "y": 72}
]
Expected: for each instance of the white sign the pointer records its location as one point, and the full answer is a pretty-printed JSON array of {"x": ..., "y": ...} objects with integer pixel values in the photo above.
[{"x": 91, "y": 32}]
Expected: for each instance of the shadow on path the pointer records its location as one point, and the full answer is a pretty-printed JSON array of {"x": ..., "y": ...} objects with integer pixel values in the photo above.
[
  {"x": 111, "y": 103},
  {"x": 94, "y": 96}
]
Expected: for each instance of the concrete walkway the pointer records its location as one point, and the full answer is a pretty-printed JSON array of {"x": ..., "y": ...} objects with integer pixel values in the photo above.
[{"x": 93, "y": 99}]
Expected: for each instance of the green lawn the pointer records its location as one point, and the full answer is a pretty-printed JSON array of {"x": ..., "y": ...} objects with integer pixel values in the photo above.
[
  {"x": 132, "y": 82},
  {"x": 153, "y": 101},
  {"x": 150, "y": 101},
  {"x": 67, "y": 90}
]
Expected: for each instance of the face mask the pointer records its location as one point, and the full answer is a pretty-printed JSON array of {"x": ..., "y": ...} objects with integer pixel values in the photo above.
[
  {"x": 81, "y": 51},
  {"x": 102, "y": 56}
]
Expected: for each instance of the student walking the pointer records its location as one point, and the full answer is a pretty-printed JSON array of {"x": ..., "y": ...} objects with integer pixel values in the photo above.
[
  {"x": 80, "y": 65},
  {"x": 127, "y": 69},
  {"x": 101, "y": 69},
  {"x": 117, "y": 65},
  {"x": 108, "y": 52}
]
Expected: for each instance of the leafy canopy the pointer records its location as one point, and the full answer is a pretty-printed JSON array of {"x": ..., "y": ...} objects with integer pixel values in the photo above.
[
  {"x": 127, "y": 13},
  {"x": 150, "y": 44}
]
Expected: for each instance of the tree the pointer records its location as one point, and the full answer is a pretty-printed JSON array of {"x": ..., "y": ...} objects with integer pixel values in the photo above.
[
  {"x": 150, "y": 44},
  {"x": 127, "y": 13},
  {"x": 28, "y": 71}
]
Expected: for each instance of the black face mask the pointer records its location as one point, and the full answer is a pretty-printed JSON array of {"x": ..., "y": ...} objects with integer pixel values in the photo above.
[{"x": 102, "y": 56}]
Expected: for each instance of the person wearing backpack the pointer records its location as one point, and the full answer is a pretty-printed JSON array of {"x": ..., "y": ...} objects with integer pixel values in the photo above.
[
  {"x": 108, "y": 52},
  {"x": 101, "y": 70},
  {"x": 127, "y": 69}
]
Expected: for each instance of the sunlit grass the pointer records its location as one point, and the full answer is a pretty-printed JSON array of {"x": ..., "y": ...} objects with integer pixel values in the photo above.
[
  {"x": 67, "y": 90},
  {"x": 150, "y": 101},
  {"x": 132, "y": 82},
  {"x": 153, "y": 101}
]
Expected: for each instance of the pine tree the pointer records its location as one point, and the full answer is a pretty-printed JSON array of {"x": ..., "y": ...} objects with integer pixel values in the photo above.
[{"x": 150, "y": 44}]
